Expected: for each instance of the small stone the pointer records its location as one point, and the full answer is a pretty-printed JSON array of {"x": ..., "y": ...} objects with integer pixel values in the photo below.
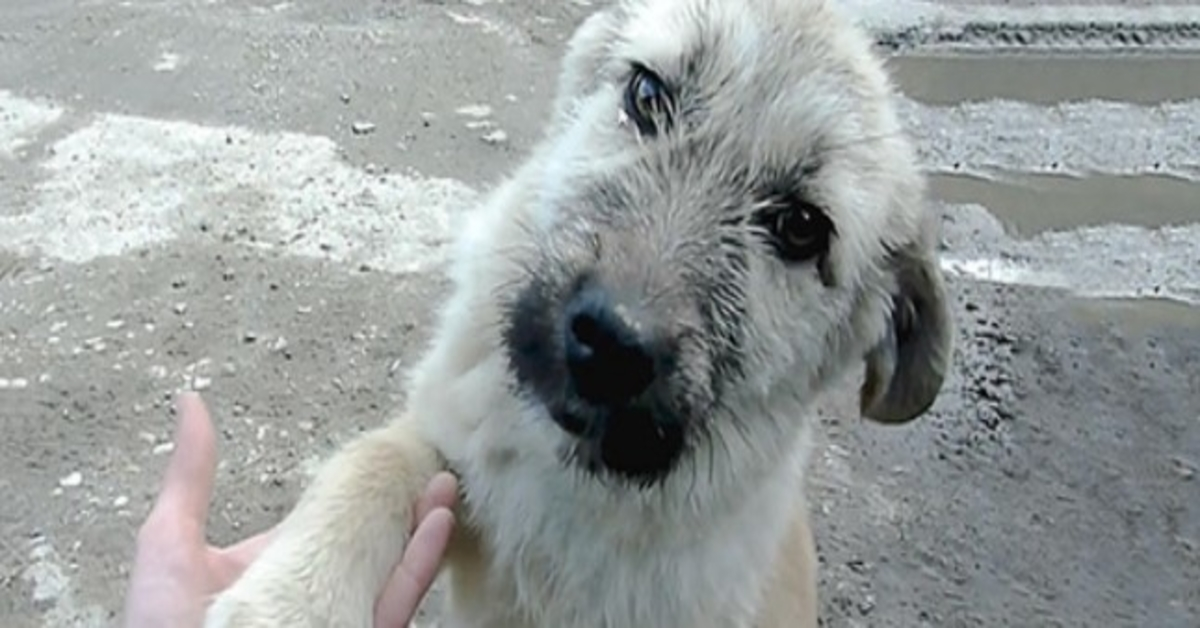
[
  {"x": 115, "y": 324},
  {"x": 72, "y": 480},
  {"x": 345, "y": 98},
  {"x": 362, "y": 128},
  {"x": 497, "y": 136},
  {"x": 201, "y": 383},
  {"x": 180, "y": 308},
  {"x": 1185, "y": 470},
  {"x": 474, "y": 111},
  {"x": 164, "y": 448},
  {"x": 280, "y": 344},
  {"x": 121, "y": 502}
]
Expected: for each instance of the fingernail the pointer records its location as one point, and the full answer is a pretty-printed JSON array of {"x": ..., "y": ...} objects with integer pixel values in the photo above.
[{"x": 185, "y": 395}]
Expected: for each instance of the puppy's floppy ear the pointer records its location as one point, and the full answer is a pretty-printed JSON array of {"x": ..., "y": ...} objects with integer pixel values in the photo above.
[{"x": 906, "y": 369}]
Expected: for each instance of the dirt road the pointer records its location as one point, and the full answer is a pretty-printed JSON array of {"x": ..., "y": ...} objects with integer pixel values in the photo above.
[{"x": 253, "y": 198}]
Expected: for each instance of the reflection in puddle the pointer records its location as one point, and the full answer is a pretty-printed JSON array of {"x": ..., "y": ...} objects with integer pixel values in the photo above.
[
  {"x": 1033, "y": 203},
  {"x": 1139, "y": 315},
  {"x": 1047, "y": 79}
]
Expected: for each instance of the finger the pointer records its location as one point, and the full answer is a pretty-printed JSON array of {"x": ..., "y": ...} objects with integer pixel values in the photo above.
[
  {"x": 228, "y": 563},
  {"x": 440, "y": 492},
  {"x": 250, "y": 548},
  {"x": 411, "y": 579},
  {"x": 188, "y": 482}
]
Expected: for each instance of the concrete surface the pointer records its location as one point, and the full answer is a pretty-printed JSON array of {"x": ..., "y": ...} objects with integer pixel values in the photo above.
[{"x": 252, "y": 197}]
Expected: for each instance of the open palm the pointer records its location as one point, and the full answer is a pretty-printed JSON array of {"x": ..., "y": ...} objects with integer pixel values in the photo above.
[{"x": 177, "y": 573}]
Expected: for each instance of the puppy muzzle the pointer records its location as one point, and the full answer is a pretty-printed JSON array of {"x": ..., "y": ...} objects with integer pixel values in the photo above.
[{"x": 605, "y": 374}]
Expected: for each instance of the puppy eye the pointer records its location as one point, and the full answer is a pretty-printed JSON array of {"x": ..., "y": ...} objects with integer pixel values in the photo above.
[
  {"x": 800, "y": 230},
  {"x": 647, "y": 101}
]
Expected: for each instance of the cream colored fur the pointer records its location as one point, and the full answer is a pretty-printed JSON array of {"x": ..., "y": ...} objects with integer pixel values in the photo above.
[{"x": 724, "y": 539}]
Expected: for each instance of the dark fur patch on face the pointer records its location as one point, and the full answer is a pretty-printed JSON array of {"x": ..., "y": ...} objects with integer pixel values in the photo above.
[
  {"x": 642, "y": 449},
  {"x": 530, "y": 338}
]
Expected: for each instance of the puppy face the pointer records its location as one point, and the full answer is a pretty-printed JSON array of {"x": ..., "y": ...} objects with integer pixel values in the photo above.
[{"x": 726, "y": 216}]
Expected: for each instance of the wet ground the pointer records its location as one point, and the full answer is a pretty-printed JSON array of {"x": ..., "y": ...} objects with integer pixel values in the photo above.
[{"x": 253, "y": 198}]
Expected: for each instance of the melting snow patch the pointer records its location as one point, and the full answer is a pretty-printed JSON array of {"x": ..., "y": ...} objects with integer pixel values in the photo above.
[
  {"x": 20, "y": 119},
  {"x": 126, "y": 182}
]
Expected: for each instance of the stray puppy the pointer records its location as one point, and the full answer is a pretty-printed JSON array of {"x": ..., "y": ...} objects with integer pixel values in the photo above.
[{"x": 723, "y": 219}]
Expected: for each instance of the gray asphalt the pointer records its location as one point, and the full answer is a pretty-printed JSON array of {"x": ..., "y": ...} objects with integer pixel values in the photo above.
[{"x": 254, "y": 198}]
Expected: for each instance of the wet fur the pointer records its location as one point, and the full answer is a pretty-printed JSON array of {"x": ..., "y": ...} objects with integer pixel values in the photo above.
[{"x": 780, "y": 93}]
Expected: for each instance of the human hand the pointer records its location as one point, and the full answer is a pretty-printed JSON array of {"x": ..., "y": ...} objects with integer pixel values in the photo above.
[{"x": 176, "y": 573}]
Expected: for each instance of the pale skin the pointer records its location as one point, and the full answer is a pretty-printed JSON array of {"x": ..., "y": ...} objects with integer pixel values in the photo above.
[{"x": 177, "y": 573}]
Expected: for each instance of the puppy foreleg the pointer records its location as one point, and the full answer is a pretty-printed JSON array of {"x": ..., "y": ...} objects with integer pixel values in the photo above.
[
  {"x": 792, "y": 600},
  {"x": 332, "y": 555}
]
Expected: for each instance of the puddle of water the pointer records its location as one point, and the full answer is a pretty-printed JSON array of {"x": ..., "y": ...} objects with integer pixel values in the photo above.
[
  {"x": 1137, "y": 314},
  {"x": 1033, "y": 203},
  {"x": 1047, "y": 79}
]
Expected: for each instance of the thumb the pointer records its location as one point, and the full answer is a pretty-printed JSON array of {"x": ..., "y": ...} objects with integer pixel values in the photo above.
[{"x": 188, "y": 482}]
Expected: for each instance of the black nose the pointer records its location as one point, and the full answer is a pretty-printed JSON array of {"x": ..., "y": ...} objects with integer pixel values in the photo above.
[{"x": 610, "y": 362}]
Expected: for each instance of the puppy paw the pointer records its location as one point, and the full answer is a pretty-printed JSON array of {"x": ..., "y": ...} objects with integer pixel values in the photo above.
[
  {"x": 275, "y": 593},
  {"x": 248, "y": 608},
  {"x": 255, "y": 608}
]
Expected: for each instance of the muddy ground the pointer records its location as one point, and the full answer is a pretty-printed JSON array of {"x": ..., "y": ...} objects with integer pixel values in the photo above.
[{"x": 252, "y": 198}]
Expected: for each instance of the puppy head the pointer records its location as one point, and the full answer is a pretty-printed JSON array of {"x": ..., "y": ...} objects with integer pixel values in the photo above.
[{"x": 723, "y": 217}]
